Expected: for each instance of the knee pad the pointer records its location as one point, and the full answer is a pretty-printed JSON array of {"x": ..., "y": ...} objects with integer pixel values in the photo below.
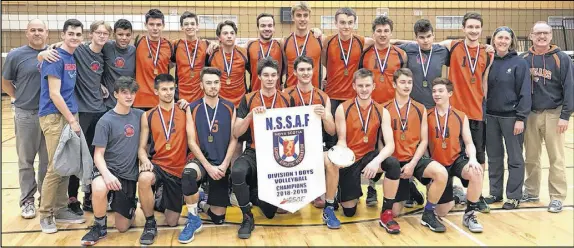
[
  {"x": 217, "y": 219},
  {"x": 349, "y": 212},
  {"x": 239, "y": 173},
  {"x": 392, "y": 168},
  {"x": 189, "y": 182}
]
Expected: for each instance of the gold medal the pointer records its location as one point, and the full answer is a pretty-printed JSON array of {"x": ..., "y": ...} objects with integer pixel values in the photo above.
[
  {"x": 168, "y": 146},
  {"x": 425, "y": 84},
  {"x": 155, "y": 72},
  {"x": 346, "y": 72},
  {"x": 443, "y": 144},
  {"x": 192, "y": 74},
  {"x": 210, "y": 138},
  {"x": 228, "y": 81},
  {"x": 473, "y": 79},
  {"x": 382, "y": 78},
  {"x": 403, "y": 136},
  {"x": 365, "y": 139}
]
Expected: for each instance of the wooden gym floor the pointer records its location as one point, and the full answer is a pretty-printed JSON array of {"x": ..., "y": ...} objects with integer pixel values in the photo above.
[{"x": 529, "y": 225}]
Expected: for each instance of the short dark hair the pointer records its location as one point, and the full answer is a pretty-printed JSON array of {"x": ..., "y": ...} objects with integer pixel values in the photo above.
[
  {"x": 267, "y": 62},
  {"x": 74, "y": 23},
  {"x": 422, "y": 26},
  {"x": 362, "y": 73},
  {"x": 402, "y": 71},
  {"x": 126, "y": 83},
  {"x": 471, "y": 15},
  {"x": 186, "y": 15},
  {"x": 302, "y": 59},
  {"x": 155, "y": 14},
  {"x": 123, "y": 24},
  {"x": 265, "y": 15},
  {"x": 210, "y": 71},
  {"x": 446, "y": 82},
  {"x": 382, "y": 20},
  {"x": 162, "y": 78},
  {"x": 346, "y": 11},
  {"x": 223, "y": 24}
]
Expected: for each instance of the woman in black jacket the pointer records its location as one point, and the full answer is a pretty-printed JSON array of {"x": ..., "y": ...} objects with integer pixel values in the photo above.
[{"x": 508, "y": 102}]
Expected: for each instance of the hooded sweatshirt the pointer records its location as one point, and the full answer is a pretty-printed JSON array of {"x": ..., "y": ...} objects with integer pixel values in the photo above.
[
  {"x": 552, "y": 80},
  {"x": 509, "y": 92}
]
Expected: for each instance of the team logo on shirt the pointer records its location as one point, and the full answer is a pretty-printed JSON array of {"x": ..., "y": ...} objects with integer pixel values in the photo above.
[
  {"x": 422, "y": 60},
  {"x": 289, "y": 147},
  {"x": 129, "y": 130},
  {"x": 95, "y": 66},
  {"x": 71, "y": 69},
  {"x": 119, "y": 62}
]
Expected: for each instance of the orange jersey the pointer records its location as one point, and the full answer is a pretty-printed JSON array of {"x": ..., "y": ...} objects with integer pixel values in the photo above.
[
  {"x": 252, "y": 100},
  {"x": 405, "y": 149},
  {"x": 319, "y": 97},
  {"x": 254, "y": 54},
  {"x": 145, "y": 97},
  {"x": 311, "y": 50},
  {"x": 467, "y": 94},
  {"x": 173, "y": 160},
  {"x": 355, "y": 134},
  {"x": 445, "y": 156},
  {"x": 236, "y": 87},
  {"x": 384, "y": 90},
  {"x": 187, "y": 80},
  {"x": 340, "y": 81}
]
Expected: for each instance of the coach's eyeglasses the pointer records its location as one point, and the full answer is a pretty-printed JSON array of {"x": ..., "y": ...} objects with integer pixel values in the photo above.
[{"x": 541, "y": 33}]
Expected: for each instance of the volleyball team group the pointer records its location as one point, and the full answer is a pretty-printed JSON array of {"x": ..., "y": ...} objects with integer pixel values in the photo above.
[{"x": 407, "y": 109}]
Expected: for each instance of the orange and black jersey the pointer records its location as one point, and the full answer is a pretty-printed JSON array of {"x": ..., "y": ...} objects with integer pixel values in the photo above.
[
  {"x": 236, "y": 88},
  {"x": 445, "y": 155},
  {"x": 254, "y": 99},
  {"x": 340, "y": 77},
  {"x": 468, "y": 94},
  {"x": 145, "y": 68},
  {"x": 312, "y": 50},
  {"x": 355, "y": 136},
  {"x": 405, "y": 148},
  {"x": 384, "y": 90},
  {"x": 170, "y": 155},
  {"x": 254, "y": 54},
  {"x": 188, "y": 80},
  {"x": 305, "y": 98}
]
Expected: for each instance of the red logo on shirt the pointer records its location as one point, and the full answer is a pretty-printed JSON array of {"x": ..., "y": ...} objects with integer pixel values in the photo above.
[
  {"x": 129, "y": 130},
  {"x": 120, "y": 62},
  {"x": 70, "y": 67},
  {"x": 95, "y": 66}
]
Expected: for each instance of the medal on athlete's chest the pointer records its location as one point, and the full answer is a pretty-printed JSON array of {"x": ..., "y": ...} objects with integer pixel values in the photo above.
[
  {"x": 168, "y": 146},
  {"x": 444, "y": 144},
  {"x": 155, "y": 72},
  {"x": 425, "y": 84},
  {"x": 364, "y": 122},
  {"x": 210, "y": 138},
  {"x": 403, "y": 136},
  {"x": 167, "y": 129},
  {"x": 211, "y": 121}
]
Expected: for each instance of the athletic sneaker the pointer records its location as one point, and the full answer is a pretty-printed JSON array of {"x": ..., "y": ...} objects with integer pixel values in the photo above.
[
  {"x": 386, "y": 221},
  {"x": 555, "y": 206},
  {"x": 511, "y": 204},
  {"x": 149, "y": 233},
  {"x": 458, "y": 195},
  {"x": 233, "y": 200},
  {"x": 65, "y": 215},
  {"x": 431, "y": 221},
  {"x": 482, "y": 205},
  {"x": 529, "y": 198},
  {"x": 416, "y": 194},
  {"x": 192, "y": 226},
  {"x": 48, "y": 224},
  {"x": 493, "y": 199},
  {"x": 87, "y": 205},
  {"x": 96, "y": 233},
  {"x": 75, "y": 206},
  {"x": 319, "y": 202},
  {"x": 330, "y": 218},
  {"x": 246, "y": 227},
  {"x": 28, "y": 210},
  {"x": 469, "y": 220},
  {"x": 371, "y": 197}
]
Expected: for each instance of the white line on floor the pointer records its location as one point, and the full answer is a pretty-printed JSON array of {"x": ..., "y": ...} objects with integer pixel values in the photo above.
[{"x": 463, "y": 232}]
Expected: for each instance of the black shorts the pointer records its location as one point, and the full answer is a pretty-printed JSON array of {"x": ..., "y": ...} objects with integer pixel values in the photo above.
[
  {"x": 404, "y": 193},
  {"x": 350, "y": 177},
  {"x": 172, "y": 195},
  {"x": 249, "y": 158},
  {"x": 331, "y": 141},
  {"x": 124, "y": 201},
  {"x": 453, "y": 170},
  {"x": 478, "y": 133},
  {"x": 218, "y": 189}
]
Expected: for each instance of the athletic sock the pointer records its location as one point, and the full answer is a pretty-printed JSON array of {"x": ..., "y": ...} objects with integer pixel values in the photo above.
[
  {"x": 387, "y": 203},
  {"x": 429, "y": 207},
  {"x": 102, "y": 221},
  {"x": 245, "y": 209},
  {"x": 151, "y": 218},
  {"x": 470, "y": 206},
  {"x": 192, "y": 208},
  {"x": 329, "y": 203}
]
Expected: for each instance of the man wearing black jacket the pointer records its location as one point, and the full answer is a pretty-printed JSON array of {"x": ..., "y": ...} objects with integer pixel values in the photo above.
[
  {"x": 508, "y": 104},
  {"x": 552, "y": 104}
]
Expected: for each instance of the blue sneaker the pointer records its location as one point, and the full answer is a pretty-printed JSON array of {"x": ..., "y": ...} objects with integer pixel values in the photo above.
[
  {"x": 330, "y": 219},
  {"x": 192, "y": 226}
]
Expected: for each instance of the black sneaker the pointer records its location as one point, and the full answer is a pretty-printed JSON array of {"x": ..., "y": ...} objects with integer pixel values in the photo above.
[
  {"x": 75, "y": 207},
  {"x": 482, "y": 205},
  {"x": 493, "y": 199},
  {"x": 416, "y": 194},
  {"x": 96, "y": 233},
  {"x": 409, "y": 203},
  {"x": 149, "y": 233},
  {"x": 87, "y": 205},
  {"x": 247, "y": 226},
  {"x": 371, "y": 197},
  {"x": 430, "y": 220},
  {"x": 511, "y": 204}
]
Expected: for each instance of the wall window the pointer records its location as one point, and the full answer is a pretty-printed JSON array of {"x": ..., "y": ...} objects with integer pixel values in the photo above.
[
  {"x": 449, "y": 22},
  {"x": 557, "y": 21}
]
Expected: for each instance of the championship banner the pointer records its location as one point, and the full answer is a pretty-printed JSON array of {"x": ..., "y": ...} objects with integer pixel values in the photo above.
[{"x": 290, "y": 170}]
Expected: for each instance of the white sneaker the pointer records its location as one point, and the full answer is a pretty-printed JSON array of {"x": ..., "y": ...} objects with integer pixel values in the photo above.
[
  {"x": 233, "y": 200},
  {"x": 28, "y": 210}
]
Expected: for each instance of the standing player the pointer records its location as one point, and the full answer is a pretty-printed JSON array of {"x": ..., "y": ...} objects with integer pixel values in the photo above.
[
  {"x": 189, "y": 57},
  {"x": 264, "y": 47},
  {"x": 168, "y": 128},
  {"x": 360, "y": 122},
  {"x": 450, "y": 144},
  {"x": 304, "y": 94},
  {"x": 153, "y": 56},
  {"x": 244, "y": 170},
  {"x": 19, "y": 77},
  {"x": 116, "y": 141},
  {"x": 212, "y": 143},
  {"x": 410, "y": 132}
]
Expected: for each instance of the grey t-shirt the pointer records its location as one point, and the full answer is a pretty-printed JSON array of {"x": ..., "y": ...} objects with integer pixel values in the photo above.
[
  {"x": 120, "y": 135},
  {"x": 440, "y": 56},
  {"x": 21, "y": 66},
  {"x": 90, "y": 67},
  {"x": 119, "y": 62}
]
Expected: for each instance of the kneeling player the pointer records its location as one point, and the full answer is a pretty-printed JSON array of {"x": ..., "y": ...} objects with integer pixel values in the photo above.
[
  {"x": 244, "y": 170},
  {"x": 116, "y": 140},
  {"x": 409, "y": 123},
  {"x": 360, "y": 122},
  {"x": 212, "y": 143},
  {"x": 447, "y": 128}
]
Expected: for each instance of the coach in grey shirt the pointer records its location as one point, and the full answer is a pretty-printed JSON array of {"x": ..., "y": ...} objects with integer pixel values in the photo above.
[{"x": 21, "y": 80}]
